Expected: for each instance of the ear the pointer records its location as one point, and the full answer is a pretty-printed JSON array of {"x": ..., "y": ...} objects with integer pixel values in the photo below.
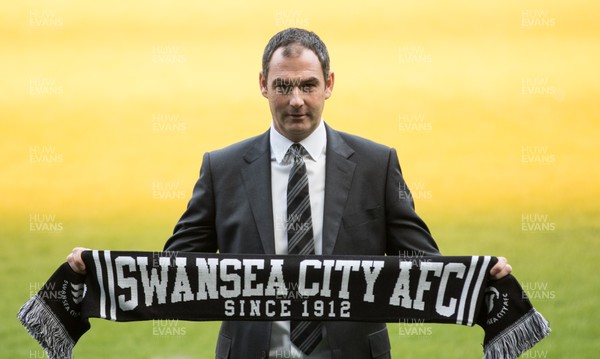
[
  {"x": 262, "y": 82},
  {"x": 329, "y": 85}
]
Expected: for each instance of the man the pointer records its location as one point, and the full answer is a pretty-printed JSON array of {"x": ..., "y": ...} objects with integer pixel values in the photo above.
[{"x": 301, "y": 188}]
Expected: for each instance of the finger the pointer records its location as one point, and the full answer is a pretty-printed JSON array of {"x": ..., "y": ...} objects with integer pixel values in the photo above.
[
  {"x": 77, "y": 251},
  {"x": 497, "y": 268},
  {"x": 501, "y": 269},
  {"x": 75, "y": 261},
  {"x": 503, "y": 273},
  {"x": 506, "y": 270}
]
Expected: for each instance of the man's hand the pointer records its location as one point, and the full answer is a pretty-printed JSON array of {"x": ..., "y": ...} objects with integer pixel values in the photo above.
[
  {"x": 75, "y": 261},
  {"x": 500, "y": 269}
]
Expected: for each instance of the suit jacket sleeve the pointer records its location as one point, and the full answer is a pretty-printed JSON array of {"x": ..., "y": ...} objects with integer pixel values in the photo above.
[
  {"x": 407, "y": 234},
  {"x": 195, "y": 231}
]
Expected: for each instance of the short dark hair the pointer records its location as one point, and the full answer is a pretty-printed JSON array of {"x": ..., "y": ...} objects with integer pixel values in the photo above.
[{"x": 294, "y": 36}]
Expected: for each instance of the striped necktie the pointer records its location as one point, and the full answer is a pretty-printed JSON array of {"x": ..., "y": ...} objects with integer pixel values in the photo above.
[{"x": 305, "y": 335}]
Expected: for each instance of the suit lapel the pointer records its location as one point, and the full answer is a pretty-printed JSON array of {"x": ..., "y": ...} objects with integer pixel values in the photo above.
[
  {"x": 257, "y": 181},
  {"x": 339, "y": 171}
]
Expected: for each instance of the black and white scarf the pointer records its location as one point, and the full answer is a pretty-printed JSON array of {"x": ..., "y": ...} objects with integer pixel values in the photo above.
[{"x": 130, "y": 286}]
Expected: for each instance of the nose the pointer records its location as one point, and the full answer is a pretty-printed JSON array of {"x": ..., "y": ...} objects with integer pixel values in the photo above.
[{"x": 296, "y": 98}]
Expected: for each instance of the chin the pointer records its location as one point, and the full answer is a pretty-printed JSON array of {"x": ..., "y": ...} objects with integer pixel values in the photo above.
[
  {"x": 298, "y": 130},
  {"x": 295, "y": 133}
]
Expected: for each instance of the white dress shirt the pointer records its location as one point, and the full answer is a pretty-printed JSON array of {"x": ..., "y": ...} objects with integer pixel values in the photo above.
[{"x": 315, "y": 145}]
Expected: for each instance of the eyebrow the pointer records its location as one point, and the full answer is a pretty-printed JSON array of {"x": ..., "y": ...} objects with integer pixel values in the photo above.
[{"x": 295, "y": 81}]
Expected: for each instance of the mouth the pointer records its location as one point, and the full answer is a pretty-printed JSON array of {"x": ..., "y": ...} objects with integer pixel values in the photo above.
[{"x": 297, "y": 116}]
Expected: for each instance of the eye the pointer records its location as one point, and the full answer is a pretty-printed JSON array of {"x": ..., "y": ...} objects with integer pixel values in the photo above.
[
  {"x": 308, "y": 88},
  {"x": 283, "y": 89}
]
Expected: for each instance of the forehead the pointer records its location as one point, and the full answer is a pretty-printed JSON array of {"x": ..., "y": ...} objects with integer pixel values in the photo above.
[{"x": 294, "y": 62}]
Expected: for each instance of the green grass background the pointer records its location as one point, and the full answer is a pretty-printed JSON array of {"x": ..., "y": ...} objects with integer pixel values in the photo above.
[
  {"x": 560, "y": 261},
  {"x": 466, "y": 169}
]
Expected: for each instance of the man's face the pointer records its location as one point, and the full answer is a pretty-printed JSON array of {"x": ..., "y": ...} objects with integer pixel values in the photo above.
[{"x": 296, "y": 90}]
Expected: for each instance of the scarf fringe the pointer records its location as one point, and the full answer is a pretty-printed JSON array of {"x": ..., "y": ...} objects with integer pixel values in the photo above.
[
  {"x": 46, "y": 329},
  {"x": 519, "y": 337}
]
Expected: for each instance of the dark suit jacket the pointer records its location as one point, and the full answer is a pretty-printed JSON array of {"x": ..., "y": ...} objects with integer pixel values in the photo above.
[{"x": 368, "y": 211}]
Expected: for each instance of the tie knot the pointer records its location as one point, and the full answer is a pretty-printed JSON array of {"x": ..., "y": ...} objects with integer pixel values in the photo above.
[{"x": 296, "y": 152}]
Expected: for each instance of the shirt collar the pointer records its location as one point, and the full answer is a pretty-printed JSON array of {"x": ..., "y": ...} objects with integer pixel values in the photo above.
[{"x": 314, "y": 144}]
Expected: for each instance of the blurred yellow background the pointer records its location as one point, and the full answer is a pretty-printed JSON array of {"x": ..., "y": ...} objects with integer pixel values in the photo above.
[
  {"x": 488, "y": 105},
  {"x": 107, "y": 107},
  {"x": 491, "y": 104}
]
